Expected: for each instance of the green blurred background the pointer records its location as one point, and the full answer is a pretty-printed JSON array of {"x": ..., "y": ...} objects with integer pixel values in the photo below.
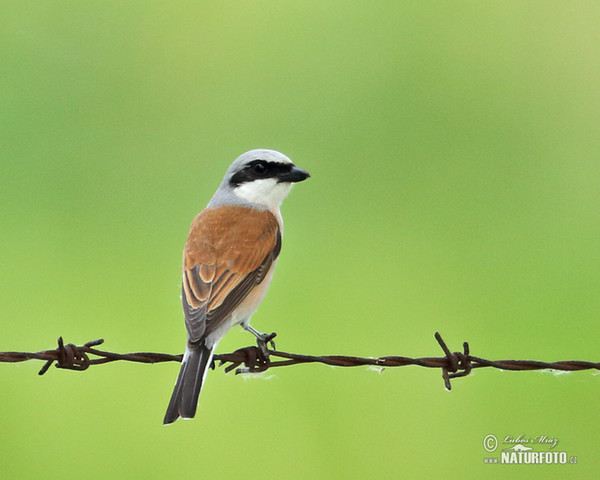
[{"x": 453, "y": 148}]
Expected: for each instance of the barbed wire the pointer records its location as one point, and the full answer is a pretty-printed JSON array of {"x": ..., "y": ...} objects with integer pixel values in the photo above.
[{"x": 452, "y": 364}]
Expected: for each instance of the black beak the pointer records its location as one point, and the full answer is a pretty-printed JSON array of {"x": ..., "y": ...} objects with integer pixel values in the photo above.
[{"x": 294, "y": 175}]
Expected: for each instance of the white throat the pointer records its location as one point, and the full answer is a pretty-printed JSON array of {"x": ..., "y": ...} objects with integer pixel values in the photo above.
[{"x": 265, "y": 191}]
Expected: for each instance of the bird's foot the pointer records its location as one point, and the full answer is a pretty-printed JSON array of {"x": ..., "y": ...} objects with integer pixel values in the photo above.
[{"x": 263, "y": 340}]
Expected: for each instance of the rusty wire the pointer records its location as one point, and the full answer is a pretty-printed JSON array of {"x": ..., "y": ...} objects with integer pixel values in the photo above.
[{"x": 452, "y": 364}]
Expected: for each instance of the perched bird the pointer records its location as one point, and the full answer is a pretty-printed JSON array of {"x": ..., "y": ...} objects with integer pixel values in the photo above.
[{"x": 228, "y": 262}]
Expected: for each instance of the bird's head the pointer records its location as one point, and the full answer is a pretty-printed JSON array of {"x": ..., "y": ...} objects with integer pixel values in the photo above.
[{"x": 262, "y": 177}]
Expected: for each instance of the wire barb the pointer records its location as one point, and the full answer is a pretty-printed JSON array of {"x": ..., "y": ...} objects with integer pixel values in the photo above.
[{"x": 452, "y": 365}]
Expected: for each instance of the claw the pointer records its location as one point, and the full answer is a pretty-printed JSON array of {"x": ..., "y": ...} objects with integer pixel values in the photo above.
[{"x": 268, "y": 339}]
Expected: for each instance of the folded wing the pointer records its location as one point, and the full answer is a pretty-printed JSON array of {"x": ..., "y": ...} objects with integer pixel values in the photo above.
[{"x": 229, "y": 250}]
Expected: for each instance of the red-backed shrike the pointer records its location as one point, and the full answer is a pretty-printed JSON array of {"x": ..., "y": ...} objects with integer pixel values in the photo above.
[{"x": 228, "y": 262}]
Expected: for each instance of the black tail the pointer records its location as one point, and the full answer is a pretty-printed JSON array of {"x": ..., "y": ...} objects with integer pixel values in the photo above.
[{"x": 187, "y": 388}]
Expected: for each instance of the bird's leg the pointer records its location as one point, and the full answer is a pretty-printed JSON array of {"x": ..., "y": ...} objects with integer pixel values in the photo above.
[{"x": 262, "y": 339}]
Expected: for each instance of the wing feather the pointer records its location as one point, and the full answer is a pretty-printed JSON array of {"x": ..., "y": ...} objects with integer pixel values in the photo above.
[
  {"x": 198, "y": 288},
  {"x": 223, "y": 289}
]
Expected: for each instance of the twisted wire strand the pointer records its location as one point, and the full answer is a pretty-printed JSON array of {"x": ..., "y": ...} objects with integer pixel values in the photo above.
[{"x": 452, "y": 364}]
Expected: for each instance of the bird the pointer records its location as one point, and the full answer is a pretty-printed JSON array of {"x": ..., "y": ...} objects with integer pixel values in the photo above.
[{"x": 228, "y": 262}]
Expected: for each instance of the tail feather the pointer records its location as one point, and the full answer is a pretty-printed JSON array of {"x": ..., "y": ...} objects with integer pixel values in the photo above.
[{"x": 193, "y": 370}]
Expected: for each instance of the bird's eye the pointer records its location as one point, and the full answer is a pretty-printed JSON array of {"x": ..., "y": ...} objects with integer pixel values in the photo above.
[{"x": 260, "y": 168}]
